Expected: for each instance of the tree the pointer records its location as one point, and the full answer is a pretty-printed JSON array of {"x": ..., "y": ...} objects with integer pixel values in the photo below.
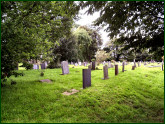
[
  {"x": 101, "y": 55},
  {"x": 136, "y": 24},
  {"x": 89, "y": 41},
  {"x": 29, "y": 28}
]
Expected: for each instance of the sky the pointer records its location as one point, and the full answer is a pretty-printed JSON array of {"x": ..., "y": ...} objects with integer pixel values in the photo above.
[{"x": 88, "y": 19}]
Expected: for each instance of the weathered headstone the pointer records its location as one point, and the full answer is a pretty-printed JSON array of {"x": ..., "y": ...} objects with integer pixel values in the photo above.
[
  {"x": 133, "y": 67},
  {"x": 116, "y": 69},
  {"x": 86, "y": 78},
  {"x": 43, "y": 66},
  {"x": 123, "y": 64},
  {"x": 65, "y": 67},
  {"x": 105, "y": 71},
  {"x": 35, "y": 66},
  {"x": 79, "y": 63},
  {"x": 162, "y": 66},
  {"x": 89, "y": 67},
  {"x": 135, "y": 64},
  {"x": 76, "y": 64},
  {"x": 93, "y": 65},
  {"x": 109, "y": 64},
  {"x": 138, "y": 64}
]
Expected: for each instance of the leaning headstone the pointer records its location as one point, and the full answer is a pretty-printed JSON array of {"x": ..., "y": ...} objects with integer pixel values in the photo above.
[
  {"x": 116, "y": 69},
  {"x": 93, "y": 65},
  {"x": 105, "y": 71},
  {"x": 35, "y": 66},
  {"x": 133, "y": 67},
  {"x": 43, "y": 66},
  {"x": 162, "y": 66},
  {"x": 86, "y": 78},
  {"x": 65, "y": 67},
  {"x": 123, "y": 66}
]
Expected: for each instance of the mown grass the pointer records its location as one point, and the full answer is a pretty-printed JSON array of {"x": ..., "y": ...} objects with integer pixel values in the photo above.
[{"x": 133, "y": 96}]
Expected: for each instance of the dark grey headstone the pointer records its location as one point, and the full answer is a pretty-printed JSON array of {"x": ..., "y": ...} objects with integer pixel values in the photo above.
[
  {"x": 93, "y": 65},
  {"x": 43, "y": 66},
  {"x": 65, "y": 67},
  {"x": 116, "y": 69},
  {"x": 86, "y": 78},
  {"x": 105, "y": 71},
  {"x": 123, "y": 64},
  {"x": 162, "y": 66},
  {"x": 133, "y": 67},
  {"x": 135, "y": 64}
]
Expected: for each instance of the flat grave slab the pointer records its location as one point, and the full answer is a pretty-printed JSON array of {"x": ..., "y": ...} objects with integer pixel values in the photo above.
[
  {"x": 46, "y": 80},
  {"x": 72, "y": 91},
  {"x": 153, "y": 66}
]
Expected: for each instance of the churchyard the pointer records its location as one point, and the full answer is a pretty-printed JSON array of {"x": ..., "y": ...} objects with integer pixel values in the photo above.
[{"x": 131, "y": 96}]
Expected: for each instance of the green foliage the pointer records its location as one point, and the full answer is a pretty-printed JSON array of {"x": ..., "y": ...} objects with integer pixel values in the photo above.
[
  {"x": 88, "y": 41},
  {"x": 27, "y": 65},
  {"x": 139, "y": 24},
  {"x": 53, "y": 64},
  {"x": 30, "y": 28},
  {"x": 42, "y": 74}
]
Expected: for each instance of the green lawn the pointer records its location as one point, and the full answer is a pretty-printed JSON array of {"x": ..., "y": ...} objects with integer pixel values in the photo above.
[{"x": 133, "y": 96}]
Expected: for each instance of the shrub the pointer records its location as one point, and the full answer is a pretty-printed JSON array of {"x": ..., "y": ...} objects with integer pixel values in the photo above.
[
  {"x": 27, "y": 65},
  {"x": 42, "y": 74},
  {"x": 52, "y": 65}
]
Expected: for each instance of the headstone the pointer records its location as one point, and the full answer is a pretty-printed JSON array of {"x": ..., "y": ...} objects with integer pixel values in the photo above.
[
  {"x": 46, "y": 64},
  {"x": 76, "y": 64},
  {"x": 35, "y": 66},
  {"x": 89, "y": 67},
  {"x": 133, "y": 67},
  {"x": 65, "y": 67},
  {"x": 109, "y": 64},
  {"x": 116, "y": 69},
  {"x": 162, "y": 66},
  {"x": 79, "y": 63},
  {"x": 135, "y": 64},
  {"x": 138, "y": 64},
  {"x": 43, "y": 66},
  {"x": 123, "y": 66},
  {"x": 93, "y": 65},
  {"x": 86, "y": 78},
  {"x": 105, "y": 71}
]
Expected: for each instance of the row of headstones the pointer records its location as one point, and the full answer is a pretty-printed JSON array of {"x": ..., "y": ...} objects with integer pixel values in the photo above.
[
  {"x": 43, "y": 65},
  {"x": 87, "y": 72}
]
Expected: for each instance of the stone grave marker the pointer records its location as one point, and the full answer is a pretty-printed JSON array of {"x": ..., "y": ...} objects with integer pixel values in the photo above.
[
  {"x": 105, "y": 71},
  {"x": 43, "y": 66},
  {"x": 79, "y": 63},
  {"x": 116, "y": 69},
  {"x": 65, "y": 67},
  {"x": 123, "y": 64},
  {"x": 135, "y": 64},
  {"x": 89, "y": 67},
  {"x": 76, "y": 64},
  {"x": 86, "y": 78},
  {"x": 138, "y": 64},
  {"x": 93, "y": 65},
  {"x": 35, "y": 66},
  {"x": 162, "y": 66},
  {"x": 133, "y": 67}
]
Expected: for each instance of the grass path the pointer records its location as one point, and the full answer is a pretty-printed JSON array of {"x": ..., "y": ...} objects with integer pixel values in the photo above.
[{"x": 133, "y": 96}]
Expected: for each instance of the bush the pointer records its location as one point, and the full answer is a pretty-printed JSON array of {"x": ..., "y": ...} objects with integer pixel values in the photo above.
[
  {"x": 52, "y": 65},
  {"x": 42, "y": 74},
  {"x": 27, "y": 65}
]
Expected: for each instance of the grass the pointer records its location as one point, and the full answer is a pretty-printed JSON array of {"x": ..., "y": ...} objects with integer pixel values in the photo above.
[{"x": 133, "y": 96}]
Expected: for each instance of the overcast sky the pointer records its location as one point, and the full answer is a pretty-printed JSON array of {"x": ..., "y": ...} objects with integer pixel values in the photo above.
[{"x": 88, "y": 19}]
